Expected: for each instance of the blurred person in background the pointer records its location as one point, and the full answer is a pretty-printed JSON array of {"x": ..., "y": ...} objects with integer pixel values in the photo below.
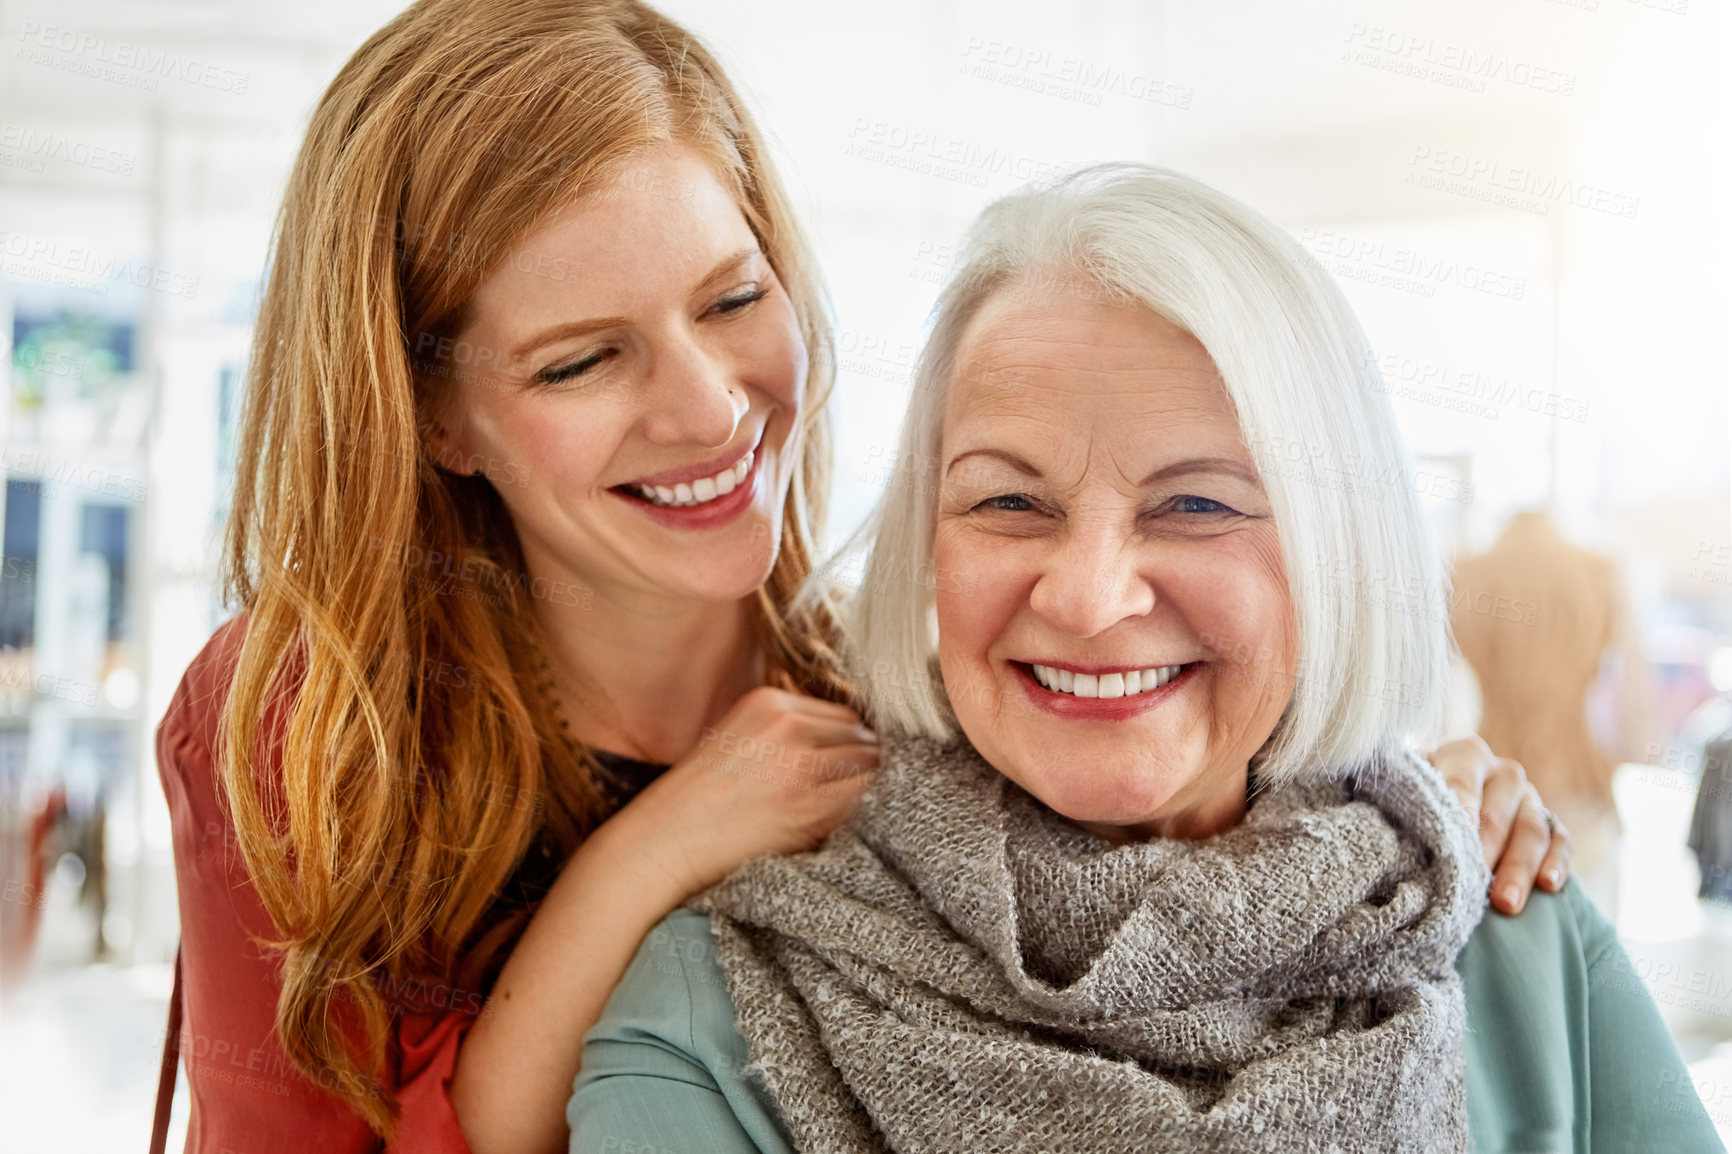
[{"x": 1536, "y": 618}]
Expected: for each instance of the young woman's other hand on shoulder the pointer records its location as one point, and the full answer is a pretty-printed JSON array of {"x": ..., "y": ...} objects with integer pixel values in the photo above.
[{"x": 776, "y": 774}]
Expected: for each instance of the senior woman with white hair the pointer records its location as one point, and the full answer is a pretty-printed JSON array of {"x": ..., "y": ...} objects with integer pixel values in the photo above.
[{"x": 1151, "y": 864}]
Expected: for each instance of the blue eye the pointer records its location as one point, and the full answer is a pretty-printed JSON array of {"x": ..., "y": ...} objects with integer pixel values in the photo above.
[
  {"x": 1008, "y": 503},
  {"x": 1199, "y": 505}
]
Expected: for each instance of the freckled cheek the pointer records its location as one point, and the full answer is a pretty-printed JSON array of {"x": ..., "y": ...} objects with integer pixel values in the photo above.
[{"x": 561, "y": 450}]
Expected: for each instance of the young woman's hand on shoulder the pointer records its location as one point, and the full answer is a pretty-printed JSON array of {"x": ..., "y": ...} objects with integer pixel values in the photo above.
[{"x": 777, "y": 774}]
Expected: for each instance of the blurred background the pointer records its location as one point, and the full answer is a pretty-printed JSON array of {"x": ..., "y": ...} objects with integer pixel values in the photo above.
[{"x": 1528, "y": 202}]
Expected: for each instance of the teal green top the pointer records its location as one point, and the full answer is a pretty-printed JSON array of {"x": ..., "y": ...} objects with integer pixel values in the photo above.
[{"x": 1565, "y": 1050}]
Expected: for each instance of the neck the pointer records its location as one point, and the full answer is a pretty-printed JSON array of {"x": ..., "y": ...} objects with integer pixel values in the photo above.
[
  {"x": 1222, "y": 806},
  {"x": 641, "y": 675}
]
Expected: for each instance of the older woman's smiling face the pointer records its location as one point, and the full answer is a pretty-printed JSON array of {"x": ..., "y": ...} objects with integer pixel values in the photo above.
[{"x": 1102, "y": 529}]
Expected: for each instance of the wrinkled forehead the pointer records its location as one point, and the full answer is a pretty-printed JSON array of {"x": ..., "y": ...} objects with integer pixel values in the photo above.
[{"x": 1057, "y": 354}]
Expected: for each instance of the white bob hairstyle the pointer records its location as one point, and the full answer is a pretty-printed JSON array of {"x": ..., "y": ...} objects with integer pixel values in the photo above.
[{"x": 1368, "y": 587}]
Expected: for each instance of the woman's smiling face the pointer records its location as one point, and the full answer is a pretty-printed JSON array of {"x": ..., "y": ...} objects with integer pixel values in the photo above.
[
  {"x": 640, "y": 378},
  {"x": 1100, "y": 509}
]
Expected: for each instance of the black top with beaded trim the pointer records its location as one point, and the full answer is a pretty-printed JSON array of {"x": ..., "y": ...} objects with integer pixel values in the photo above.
[{"x": 622, "y": 779}]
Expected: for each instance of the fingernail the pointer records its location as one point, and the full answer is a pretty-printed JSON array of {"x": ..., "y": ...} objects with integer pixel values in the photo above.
[
  {"x": 1554, "y": 876},
  {"x": 1511, "y": 895}
]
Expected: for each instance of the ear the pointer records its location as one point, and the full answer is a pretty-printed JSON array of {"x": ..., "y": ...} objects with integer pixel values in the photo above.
[{"x": 443, "y": 447}]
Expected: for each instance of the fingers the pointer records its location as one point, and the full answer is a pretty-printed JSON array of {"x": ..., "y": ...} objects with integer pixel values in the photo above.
[
  {"x": 770, "y": 723},
  {"x": 804, "y": 744},
  {"x": 1530, "y": 841},
  {"x": 1464, "y": 763},
  {"x": 1506, "y": 785},
  {"x": 848, "y": 764},
  {"x": 768, "y": 699},
  {"x": 839, "y": 762},
  {"x": 1555, "y": 869},
  {"x": 822, "y": 732}
]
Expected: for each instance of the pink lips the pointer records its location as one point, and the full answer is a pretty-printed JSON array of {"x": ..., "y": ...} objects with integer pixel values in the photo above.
[
  {"x": 709, "y": 515},
  {"x": 668, "y": 478}
]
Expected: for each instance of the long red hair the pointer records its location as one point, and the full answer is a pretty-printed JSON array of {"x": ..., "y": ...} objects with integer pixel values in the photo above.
[{"x": 382, "y": 812}]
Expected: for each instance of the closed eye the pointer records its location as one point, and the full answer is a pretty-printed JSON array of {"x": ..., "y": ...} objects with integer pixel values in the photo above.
[
  {"x": 740, "y": 300},
  {"x": 565, "y": 372},
  {"x": 572, "y": 369}
]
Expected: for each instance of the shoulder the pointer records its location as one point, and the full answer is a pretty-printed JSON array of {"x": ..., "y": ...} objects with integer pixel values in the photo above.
[
  {"x": 671, "y": 1016},
  {"x": 673, "y": 992},
  {"x": 1598, "y": 937},
  {"x": 186, "y": 736},
  {"x": 666, "y": 1067},
  {"x": 187, "y": 753},
  {"x": 674, "y": 999},
  {"x": 680, "y": 948},
  {"x": 1564, "y": 929},
  {"x": 1564, "y": 1038},
  {"x": 186, "y": 762},
  {"x": 1527, "y": 980},
  {"x": 1551, "y": 951},
  {"x": 685, "y": 926}
]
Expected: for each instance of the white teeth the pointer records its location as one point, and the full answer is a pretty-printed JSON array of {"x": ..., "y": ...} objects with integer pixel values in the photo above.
[
  {"x": 1104, "y": 684},
  {"x": 701, "y": 490}
]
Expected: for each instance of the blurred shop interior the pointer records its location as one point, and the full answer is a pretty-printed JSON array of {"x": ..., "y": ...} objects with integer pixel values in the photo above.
[{"x": 1515, "y": 194}]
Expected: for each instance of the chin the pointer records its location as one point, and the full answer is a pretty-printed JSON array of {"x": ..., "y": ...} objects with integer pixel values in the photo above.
[
  {"x": 1113, "y": 794},
  {"x": 723, "y": 582},
  {"x": 732, "y": 563},
  {"x": 728, "y": 576}
]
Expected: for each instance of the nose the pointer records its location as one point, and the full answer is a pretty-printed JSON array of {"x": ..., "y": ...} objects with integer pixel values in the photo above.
[
  {"x": 1091, "y": 582},
  {"x": 691, "y": 398}
]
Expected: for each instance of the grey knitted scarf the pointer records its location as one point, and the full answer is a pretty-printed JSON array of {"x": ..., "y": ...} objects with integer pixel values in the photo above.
[{"x": 960, "y": 969}]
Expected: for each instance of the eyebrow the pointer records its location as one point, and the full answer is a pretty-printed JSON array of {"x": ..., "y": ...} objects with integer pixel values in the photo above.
[
  {"x": 1010, "y": 459},
  {"x": 1226, "y": 465},
  {"x": 1186, "y": 467},
  {"x": 568, "y": 329}
]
